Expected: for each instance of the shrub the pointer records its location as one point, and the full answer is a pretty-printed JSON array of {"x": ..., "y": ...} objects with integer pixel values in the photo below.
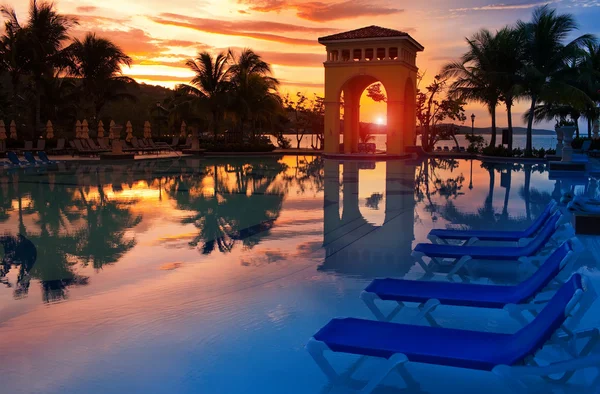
[
  {"x": 255, "y": 146},
  {"x": 476, "y": 143},
  {"x": 577, "y": 142},
  {"x": 282, "y": 142},
  {"x": 497, "y": 151}
]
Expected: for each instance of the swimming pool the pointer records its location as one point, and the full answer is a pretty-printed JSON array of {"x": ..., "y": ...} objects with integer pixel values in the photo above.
[{"x": 210, "y": 275}]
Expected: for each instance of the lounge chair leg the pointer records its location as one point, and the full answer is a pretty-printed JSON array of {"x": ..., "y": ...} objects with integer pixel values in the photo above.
[
  {"x": 369, "y": 300},
  {"x": 418, "y": 256},
  {"x": 316, "y": 350},
  {"x": 426, "y": 309},
  {"x": 516, "y": 313},
  {"x": 394, "y": 361},
  {"x": 459, "y": 264},
  {"x": 471, "y": 241},
  {"x": 504, "y": 372},
  {"x": 434, "y": 239}
]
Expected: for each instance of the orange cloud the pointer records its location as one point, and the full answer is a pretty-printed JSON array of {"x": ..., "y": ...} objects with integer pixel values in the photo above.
[
  {"x": 323, "y": 12},
  {"x": 293, "y": 59},
  {"x": 260, "y": 30},
  {"x": 86, "y": 8},
  {"x": 134, "y": 42}
]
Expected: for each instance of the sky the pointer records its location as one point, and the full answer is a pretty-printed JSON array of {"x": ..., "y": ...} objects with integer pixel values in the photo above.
[{"x": 160, "y": 35}]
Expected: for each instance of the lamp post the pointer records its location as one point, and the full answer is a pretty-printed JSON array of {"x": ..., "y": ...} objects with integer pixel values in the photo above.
[{"x": 472, "y": 124}]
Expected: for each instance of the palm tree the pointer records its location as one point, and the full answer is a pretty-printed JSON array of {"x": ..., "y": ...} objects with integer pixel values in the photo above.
[
  {"x": 211, "y": 84},
  {"x": 42, "y": 44},
  {"x": 255, "y": 91},
  {"x": 590, "y": 81},
  {"x": 365, "y": 133},
  {"x": 97, "y": 62},
  {"x": 546, "y": 56},
  {"x": 12, "y": 49},
  {"x": 475, "y": 75},
  {"x": 509, "y": 64}
]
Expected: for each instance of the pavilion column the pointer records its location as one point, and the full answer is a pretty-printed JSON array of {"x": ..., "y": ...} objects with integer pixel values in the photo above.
[
  {"x": 395, "y": 140},
  {"x": 350, "y": 192},
  {"x": 351, "y": 120},
  {"x": 331, "y": 200},
  {"x": 332, "y": 126},
  {"x": 400, "y": 200}
]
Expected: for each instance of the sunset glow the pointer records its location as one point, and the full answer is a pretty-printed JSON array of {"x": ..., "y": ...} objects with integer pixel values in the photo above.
[{"x": 159, "y": 36}]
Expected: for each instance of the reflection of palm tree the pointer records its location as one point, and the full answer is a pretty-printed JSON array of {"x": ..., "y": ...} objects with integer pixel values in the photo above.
[
  {"x": 489, "y": 201},
  {"x": 248, "y": 187},
  {"x": 374, "y": 200},
  {"x": 429, "y": 183},
  {"x": 526, "y": 190},
  {"x": 103, "y": 241},
  {"x": 507, "y": 194}
]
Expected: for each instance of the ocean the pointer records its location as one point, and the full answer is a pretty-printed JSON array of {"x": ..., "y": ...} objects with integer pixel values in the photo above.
[{"x": 539, "y": 141}]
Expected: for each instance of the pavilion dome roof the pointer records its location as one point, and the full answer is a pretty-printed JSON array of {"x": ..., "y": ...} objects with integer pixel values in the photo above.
[{"x": 365, "y": 32}]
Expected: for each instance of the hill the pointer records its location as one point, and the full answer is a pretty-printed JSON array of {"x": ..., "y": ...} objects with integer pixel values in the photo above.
[{"x": 516, "y": 130}]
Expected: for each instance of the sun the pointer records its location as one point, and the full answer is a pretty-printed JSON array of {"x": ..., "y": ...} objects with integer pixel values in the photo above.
[{"x": 380, "y": 120}]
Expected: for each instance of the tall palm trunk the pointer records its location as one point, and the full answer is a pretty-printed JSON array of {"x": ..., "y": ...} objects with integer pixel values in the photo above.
[
  {"x": 529, "y": 144},
  {"x": 38, "y": 114},
  {"x": 492, "y": 109},
  {"x": 589, "y": 121},
  {"x": 576, "y": 126}
]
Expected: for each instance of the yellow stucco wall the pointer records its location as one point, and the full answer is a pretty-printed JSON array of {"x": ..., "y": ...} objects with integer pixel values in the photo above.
[{"x": 353, "y": 77}]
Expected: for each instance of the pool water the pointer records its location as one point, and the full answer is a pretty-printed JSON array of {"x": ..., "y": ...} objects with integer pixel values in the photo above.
[{"x": 210, "y": 275}]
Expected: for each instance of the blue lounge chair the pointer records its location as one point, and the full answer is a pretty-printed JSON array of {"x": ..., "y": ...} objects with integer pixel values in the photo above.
[
  {"x": 31, "y": 160},
  {"x": 458, "y": 255},
  {"x": 526, "y": 296},
  {"x": 584, "y": 205},
  {"x": 509, "y": 356},
  {"x": 14, "y": 159},
  {"x": 469, "y": 237},
  {"x": 44, "y": 158}
]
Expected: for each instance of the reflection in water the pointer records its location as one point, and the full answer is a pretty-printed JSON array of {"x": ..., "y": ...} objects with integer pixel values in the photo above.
[
  {"x": 353, "y": 245},
  {"x": 240, "y": 202},
  {"x": 210, "y": 257},
  {"x": 431, "y": 190},
  {"x": 83, "y": 215},
  {"x": 20, "y": 252}
]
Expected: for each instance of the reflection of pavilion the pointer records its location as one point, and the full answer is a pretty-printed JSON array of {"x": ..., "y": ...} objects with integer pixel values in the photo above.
[{"x": 353, "y": 245}]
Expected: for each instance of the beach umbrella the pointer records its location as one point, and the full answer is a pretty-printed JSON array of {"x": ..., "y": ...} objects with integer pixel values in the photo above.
[
  {"x": 2, "y": 130},
  {"x": 49, "y": 130},
  {"x": 129, "y": 130},
  {"x": 85, "y": 130},
  {"x": 100, "y": 129},
  {"x": 183, "y": 129},
  {"x": 13, "y": 130},
  {"x": 78, "y": 129},
  {"x": 111, "y": 130},
  {"x": 147, "y": 130}
]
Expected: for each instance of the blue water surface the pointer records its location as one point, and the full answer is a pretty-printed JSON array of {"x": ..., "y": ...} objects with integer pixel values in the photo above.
[{"x": 210, "y": 275}]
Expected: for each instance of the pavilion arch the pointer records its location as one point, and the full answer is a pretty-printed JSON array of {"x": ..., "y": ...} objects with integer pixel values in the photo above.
[{"x": 355, "y": 60}]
